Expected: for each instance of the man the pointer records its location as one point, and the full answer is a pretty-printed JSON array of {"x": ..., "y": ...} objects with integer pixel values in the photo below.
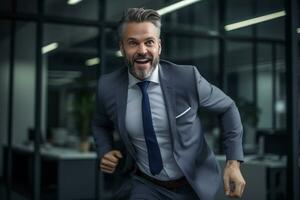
[{"x": 153, "y": 105}]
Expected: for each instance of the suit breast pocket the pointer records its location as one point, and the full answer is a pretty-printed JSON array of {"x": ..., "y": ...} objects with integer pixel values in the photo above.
[
  {"x": 183, "y": 113},
  {"x": 185, "y": 124},
  {"x": 185, "y": 116}
]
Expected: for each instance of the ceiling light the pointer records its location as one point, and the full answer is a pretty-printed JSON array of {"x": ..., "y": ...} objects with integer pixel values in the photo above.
[
  {"x": 176, "y": 6},
  {"x": 92, "y": 61},
  {"x": 49, "y": 47},
  {"x": 73, "y": 2},
  {"x": 256, "y": 20},
  {"x": 118, "y": 54},
  {"x": 298, "y": 30},
  {"x": 280, "y": 106}
]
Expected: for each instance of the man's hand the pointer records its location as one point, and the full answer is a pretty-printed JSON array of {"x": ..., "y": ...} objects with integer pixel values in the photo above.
[
  {"x": 110, "y": 161},
  {"x": 234, "y": 182}
]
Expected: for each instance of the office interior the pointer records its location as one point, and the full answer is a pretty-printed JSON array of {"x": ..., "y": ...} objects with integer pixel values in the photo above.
[{"x": 53, "y": 52}]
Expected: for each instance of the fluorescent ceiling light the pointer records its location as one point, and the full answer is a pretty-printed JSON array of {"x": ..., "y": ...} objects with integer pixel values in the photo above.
[
  {"x": 49, "y": 47},
  {"x": 73, "y": 2},
  {"x": 176, "y": 6},
  {"x": 92, "y": 61},
  {"x": 256, "y": 20}
]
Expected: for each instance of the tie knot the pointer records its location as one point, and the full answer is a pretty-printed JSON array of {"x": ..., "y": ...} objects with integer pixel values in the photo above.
[{"x": 143, "y": 85}]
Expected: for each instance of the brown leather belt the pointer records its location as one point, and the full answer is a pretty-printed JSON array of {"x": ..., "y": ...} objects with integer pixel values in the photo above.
[{"x": 171, "y": 185}]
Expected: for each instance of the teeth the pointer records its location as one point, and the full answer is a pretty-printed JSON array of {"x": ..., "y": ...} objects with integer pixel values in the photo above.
[{"x": 142, "y": 60}]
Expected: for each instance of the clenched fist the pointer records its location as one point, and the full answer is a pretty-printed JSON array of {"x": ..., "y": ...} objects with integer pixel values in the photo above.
[
  {"x": 234, "y": 183},
  {"x": 110, "y": 161}
]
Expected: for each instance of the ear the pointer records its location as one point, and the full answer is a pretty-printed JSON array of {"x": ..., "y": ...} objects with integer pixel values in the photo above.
[
  {"x": 159, "y": 46},
  {"x": 121, "y": 48}
]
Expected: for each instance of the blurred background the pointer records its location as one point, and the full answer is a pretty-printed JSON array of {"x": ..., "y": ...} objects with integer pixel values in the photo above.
[{"x": 53, "y": 51}]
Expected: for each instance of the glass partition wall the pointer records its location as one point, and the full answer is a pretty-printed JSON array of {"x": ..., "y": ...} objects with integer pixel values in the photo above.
[{"x": 79, "y": 43}]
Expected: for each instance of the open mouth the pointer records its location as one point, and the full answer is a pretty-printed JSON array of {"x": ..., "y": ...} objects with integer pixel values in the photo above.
[{"x": 142, "y": 60}]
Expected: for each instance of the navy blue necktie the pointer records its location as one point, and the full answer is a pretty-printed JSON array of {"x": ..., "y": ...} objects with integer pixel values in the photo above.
[{"x": 154, "y": 156}]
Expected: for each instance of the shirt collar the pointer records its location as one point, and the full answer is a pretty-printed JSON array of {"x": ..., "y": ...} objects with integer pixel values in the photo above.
[{"x": 153, "y": 78}]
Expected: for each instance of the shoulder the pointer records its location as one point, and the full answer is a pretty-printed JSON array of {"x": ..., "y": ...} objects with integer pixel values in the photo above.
[
  {"x": 182, "y": 70},
  {"x": 115, "y": 75},
  {"x": 112, "y": 79},
  {"x": 109, "y": 84}
]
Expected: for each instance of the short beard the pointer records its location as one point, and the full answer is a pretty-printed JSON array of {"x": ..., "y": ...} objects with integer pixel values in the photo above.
[{"x": 141, "y": 74}]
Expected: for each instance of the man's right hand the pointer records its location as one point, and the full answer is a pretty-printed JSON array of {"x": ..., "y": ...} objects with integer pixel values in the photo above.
[{"x": 110, "y": 161}]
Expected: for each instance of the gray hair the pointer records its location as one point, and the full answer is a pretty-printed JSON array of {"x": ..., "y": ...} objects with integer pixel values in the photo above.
[{"x": 139, "y": 15}]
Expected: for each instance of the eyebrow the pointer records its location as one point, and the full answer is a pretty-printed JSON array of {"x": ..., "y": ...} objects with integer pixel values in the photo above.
[{"x": 134, "y": 39}]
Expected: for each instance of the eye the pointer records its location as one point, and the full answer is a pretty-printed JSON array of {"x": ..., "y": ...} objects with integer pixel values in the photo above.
[
  {"x": 149, "y": 42},
  {"x": 132, "y": 43}
]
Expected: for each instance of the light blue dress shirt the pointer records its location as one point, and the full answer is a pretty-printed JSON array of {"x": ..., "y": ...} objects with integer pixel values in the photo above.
[{"x": 134, "y": 126}]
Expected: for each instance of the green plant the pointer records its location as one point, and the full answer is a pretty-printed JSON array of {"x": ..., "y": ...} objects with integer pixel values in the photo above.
[{"x": 83, "y": 108}]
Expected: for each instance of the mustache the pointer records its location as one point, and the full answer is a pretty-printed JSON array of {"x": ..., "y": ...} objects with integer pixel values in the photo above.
[{"x": 142, "y": 57}]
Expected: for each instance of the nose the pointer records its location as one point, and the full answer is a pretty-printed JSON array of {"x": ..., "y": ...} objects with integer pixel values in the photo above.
[{"x": 142, "y": 49}]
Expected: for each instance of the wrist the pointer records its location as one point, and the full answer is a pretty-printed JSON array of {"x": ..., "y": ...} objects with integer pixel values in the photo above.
[{"x": 233, "y": 163}]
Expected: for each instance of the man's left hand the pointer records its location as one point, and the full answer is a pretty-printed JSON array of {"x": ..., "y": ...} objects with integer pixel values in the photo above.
[{"x": 234, "y": 182}]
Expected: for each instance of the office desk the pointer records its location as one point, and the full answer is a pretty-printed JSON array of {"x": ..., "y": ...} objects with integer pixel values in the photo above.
[{"x": 65, "y": 173}]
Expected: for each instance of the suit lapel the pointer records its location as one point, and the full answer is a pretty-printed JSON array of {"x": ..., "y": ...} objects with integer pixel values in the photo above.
[
  {"x": 168, "y": 91},
  {"x": 121, "y": 96}
]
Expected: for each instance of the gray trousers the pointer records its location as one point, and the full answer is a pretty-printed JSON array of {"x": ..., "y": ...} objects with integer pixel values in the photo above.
[{"x": 143, "y": 189}]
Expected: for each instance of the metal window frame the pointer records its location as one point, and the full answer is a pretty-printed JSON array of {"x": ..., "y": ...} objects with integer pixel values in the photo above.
[
  {"x": 292, "y": 76},
  {"x": 10, "y": 105}
]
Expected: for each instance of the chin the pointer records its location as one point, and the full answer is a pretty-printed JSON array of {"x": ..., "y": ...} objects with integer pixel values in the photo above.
[
  {"x": 142, "y": 74},
  {"x": 142, "y": 71}
]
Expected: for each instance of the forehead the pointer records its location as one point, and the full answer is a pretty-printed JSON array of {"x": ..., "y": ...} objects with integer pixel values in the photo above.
[{"x": 139, "y": 30}]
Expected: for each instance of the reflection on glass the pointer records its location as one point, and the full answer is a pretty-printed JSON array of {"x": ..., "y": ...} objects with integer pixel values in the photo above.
[
  {"x": 24, "y": 104},
  {"x": 24, "y": 81},
  {"x": 70, "y": 57},
  {"x": 86, "y": 9},
  {"x": 280, "y": 103},
  {"x": 264, "y": 85},
  {"x": 239, "y": 85}
]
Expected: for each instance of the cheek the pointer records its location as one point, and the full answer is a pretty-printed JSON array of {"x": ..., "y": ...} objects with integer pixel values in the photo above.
[
  {"x": 128, "y": 54},
  {"x": 156, "y": 52}
]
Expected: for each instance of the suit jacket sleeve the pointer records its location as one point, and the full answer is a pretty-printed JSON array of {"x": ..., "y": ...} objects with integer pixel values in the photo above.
[
  {"x": 213, "y": 99},
  {"x": 102, "y": 126}
]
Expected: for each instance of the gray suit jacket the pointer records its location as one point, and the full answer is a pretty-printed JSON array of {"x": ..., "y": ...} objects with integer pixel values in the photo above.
[{"x": 183, "y": 89}]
